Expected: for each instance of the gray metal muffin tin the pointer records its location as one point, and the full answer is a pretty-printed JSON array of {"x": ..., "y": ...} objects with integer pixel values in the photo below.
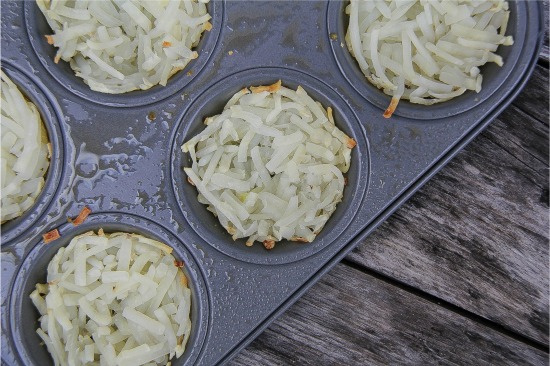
[{"x": 111, "y": 155}]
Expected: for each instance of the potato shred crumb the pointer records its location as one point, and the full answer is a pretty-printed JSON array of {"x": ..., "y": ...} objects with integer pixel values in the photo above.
[
  {"x": 51, "y": 236},
  {"x": 81, "y": 216},
  {"x": 268, "y": 88}
]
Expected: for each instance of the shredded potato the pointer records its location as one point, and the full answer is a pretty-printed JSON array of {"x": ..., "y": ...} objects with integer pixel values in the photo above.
[
  {"x": 120, "y": 46},
  {"x": 25, "y": 153},
  {"x": 271, "y": 165},
  {"x": 426, "y": 51},
  {"x": 117, "y": 299}
]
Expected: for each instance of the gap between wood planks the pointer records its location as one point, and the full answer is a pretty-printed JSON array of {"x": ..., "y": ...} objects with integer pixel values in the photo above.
[
  {"x": 448, "y": 306},
  {"x": 352, "y": 318}
]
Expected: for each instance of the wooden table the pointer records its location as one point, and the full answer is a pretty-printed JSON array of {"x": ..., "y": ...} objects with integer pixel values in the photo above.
[{"x": 458, "y": 275}]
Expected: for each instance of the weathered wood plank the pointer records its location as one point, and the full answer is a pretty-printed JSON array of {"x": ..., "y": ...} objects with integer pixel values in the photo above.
[
  {"x": 528, "y": 146},
  {"x": 477, "y": 234},
  {"x": 351, "y": 318},
  {"x": 533, "y": 100},
  {"x": 544, "y": 54}
]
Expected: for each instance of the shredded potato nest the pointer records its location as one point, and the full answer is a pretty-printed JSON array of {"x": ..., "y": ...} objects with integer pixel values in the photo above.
[
  {"x": 118, "y": 46},
  {"x": 25, "y": 151},
  {"x": 114, "y": 299},
  {"x": 271, "y": 165},
  {"x": 426, "y": 51}
]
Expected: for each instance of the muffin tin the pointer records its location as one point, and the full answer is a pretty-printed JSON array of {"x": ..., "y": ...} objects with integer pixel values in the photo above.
[{"x": 120, "y": 156}]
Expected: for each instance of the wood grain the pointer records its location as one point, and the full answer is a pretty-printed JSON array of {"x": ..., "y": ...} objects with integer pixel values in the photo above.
[
  {"x": 477, "y": 234},
  {"x": 544, "y": 52},
  {"x": 533, "y": 100},
  {"x": 351, "y": 318}
]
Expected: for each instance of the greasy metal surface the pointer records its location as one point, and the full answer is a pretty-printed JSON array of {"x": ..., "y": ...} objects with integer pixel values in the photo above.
[{"x": 127, "y": 168}]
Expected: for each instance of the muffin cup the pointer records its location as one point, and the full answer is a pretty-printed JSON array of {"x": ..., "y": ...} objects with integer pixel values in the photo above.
[
  {"x": 493, "y": 75},
  {"x": 37, "y": 28},
  {"x": 24, "y": 316},
  {"x": 51, "y": 116},
  {"x": 210, "y": 103}
]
